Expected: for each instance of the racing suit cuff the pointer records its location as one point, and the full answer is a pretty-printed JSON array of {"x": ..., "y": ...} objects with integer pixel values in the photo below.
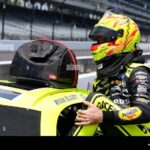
[{"x": 108, "y": 117}]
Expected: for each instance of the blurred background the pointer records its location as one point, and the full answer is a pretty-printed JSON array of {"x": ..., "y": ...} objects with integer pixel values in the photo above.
[{"x": 65, "y": 19}]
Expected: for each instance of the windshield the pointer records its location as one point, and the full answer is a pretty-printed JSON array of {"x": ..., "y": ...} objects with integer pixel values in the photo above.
[{"x": 10, "y": 95}]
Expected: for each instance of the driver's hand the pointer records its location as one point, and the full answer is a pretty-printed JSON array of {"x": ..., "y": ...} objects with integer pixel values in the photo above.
[{"x": 93, "y": 115}]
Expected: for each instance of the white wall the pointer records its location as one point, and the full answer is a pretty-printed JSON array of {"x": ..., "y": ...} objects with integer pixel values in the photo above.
[{"x": 86, "y": 80}]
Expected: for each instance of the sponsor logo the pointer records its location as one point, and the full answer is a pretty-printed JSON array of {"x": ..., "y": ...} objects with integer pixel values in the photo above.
[
  {"x": 141, "y": 77},
  {"x": 142, "y": 89},
  {"x": 106, "y": 106},
  {"x": 123, "y": 103},
  {"x": 120, "y": 101},
  {"x": 130, "y": 113},
  {"x": 144, "y": 82}
]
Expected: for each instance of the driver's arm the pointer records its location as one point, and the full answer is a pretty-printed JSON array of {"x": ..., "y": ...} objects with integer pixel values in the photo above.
[{"x": 139, "y": 112}]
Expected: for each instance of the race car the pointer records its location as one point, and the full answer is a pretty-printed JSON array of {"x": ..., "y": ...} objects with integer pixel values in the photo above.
[
  {"x": 37, "y": 111},
  {"x": 40, "y": 97}
]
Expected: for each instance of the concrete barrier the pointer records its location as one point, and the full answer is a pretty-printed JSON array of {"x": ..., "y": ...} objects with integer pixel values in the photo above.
[{"x": 85, "y": 81}]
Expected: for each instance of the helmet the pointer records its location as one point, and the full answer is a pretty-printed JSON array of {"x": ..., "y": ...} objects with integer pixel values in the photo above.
[
  {"x": 115, "y": 34},
  {"x": 45, "y": 61},
  {"x": 117, "y": 39}
]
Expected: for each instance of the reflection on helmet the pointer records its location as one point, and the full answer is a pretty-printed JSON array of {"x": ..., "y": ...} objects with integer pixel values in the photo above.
[{"x": 114, "y": 34}]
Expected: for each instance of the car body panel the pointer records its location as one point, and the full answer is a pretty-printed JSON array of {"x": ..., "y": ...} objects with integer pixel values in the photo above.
[{"x": 49, "y": 101}]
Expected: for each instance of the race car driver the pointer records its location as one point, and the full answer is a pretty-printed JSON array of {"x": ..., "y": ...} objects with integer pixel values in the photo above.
[{"x": 121, "y": 76}]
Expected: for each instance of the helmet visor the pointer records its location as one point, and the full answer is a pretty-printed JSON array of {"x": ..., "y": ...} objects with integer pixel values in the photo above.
[{"x": 103, "y": 34}]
